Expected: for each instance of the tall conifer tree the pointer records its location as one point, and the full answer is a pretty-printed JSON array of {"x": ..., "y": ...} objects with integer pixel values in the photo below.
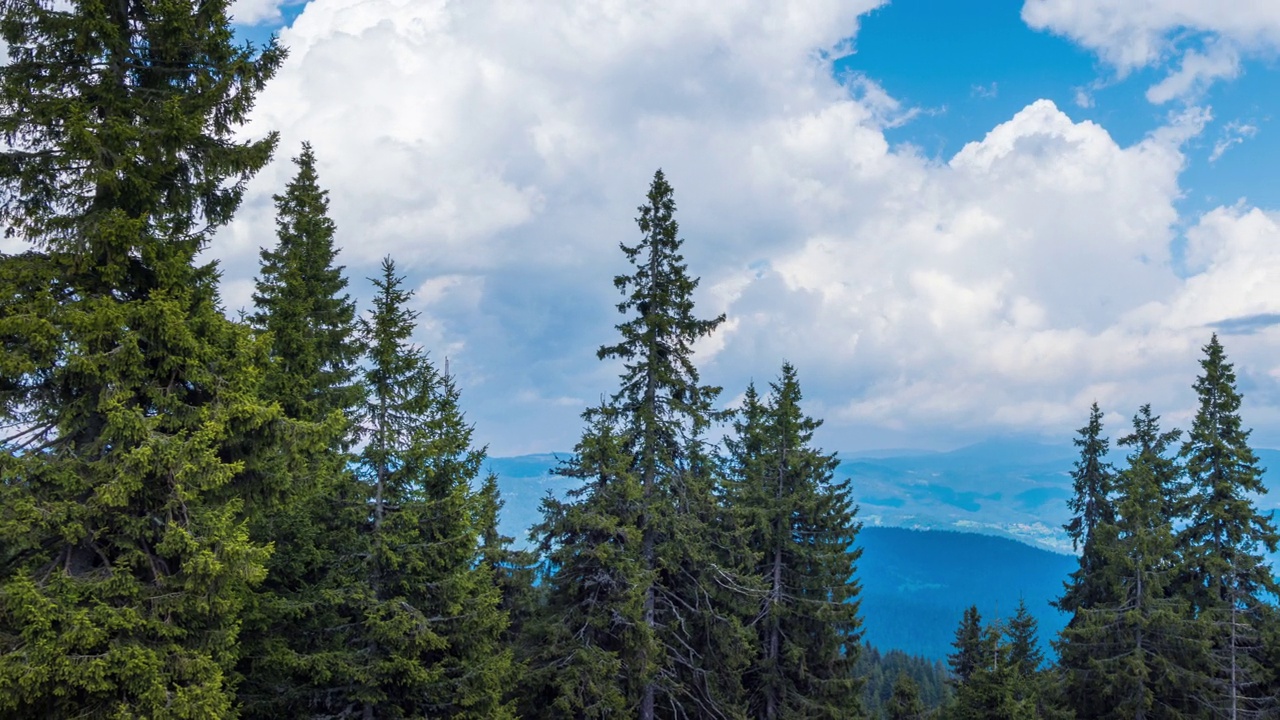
[
  {"x": 301, "y": 300},
  {"x": 1133, "y": 655},
  {"x": 302, "y": 306},
  {"x": 429, "y": 622},
  {"x": 652, "y": 433},
  {"x": 801, "y": 523},
  {"x": 126, "y": 560},
  {"x": 1092, "y": 505},
  {"x": 1223, "y": 543}
]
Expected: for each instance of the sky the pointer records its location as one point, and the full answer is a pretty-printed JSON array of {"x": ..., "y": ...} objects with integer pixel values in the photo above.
[{"x": 958, "y": 220}]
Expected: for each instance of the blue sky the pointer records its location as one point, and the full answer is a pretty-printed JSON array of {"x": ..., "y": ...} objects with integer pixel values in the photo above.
[{"x": 958, "y": 220}]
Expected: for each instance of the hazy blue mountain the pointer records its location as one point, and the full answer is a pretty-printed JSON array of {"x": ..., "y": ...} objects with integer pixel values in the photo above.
[{"x": 917, "y": 583}]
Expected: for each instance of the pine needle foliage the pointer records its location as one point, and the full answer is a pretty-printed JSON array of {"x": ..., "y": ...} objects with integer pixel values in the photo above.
[
  {"x": 801, "y": 526},
  {"x": 1226, "y": 576},
  {"x": 142, "y": 436}
]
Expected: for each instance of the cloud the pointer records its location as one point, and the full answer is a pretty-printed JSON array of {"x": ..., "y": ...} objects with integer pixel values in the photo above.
[
  {"x": 1234, "y": 133},
  {"x": 498, "y": 149},
  {"x": 1207, "y": 38},
  {"x": 255, "y": 12}
]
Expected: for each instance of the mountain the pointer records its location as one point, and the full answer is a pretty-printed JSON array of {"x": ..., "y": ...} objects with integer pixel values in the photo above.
[{"x": 916, "y": 585}]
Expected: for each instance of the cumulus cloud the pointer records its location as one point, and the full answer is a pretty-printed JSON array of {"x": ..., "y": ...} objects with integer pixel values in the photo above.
[
  {"x": 1206, "y": 38},
  {"x": 498, "y": 149}
]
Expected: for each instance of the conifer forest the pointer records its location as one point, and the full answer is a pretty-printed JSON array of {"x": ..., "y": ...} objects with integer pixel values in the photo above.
[{"x": 283, "y": 514}]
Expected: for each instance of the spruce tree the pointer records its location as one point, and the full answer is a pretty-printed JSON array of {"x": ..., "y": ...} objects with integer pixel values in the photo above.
[
  {"x": 905, "y": 703},
  {"x": 652, "y": 432},
  {"x": 140, "y": 435},
  {"x": 306, "y": 316},
  {"x": 591, "y": 641},
  {"x": 1133, "y": 655},
  {"x": 1092, "y": 505},
  {"x": 1024, "y": 643},
  {"x": 429, "y": 620},
  {"x": 301, "y": 301},
  {"x": 803, "y": 530},
  {"x": 1225, "y": 573}
]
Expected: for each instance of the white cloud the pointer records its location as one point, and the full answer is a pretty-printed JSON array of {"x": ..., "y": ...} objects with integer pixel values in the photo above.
[
  {"x": 499, "y": 149},
  {"x": 255, "y": 12},
  {"x": 1233, "y": 134},
  {"x": 1133, "y": 34}
]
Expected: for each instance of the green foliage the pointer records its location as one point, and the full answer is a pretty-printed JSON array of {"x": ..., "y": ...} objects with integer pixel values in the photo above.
[
  {"x": 1092, "y": 505},
  {"x": 996, "y": 671},
  {"x": 293, "y": 643},
  {"x": 141, "y": 435},
  {"x": 801, "y": 529},
  {"x": 429, "y": 617},
  {"x": 1133, "y": 653},
  {"x": 1225, "y": 575},
  {"x": 879, "y": 673},
  {"x": 300, "y": 301},
  {"x": 905, "y": 703}
]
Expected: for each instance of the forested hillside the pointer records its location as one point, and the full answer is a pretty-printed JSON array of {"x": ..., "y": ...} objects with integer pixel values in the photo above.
[{"x": 284, "y": 514}]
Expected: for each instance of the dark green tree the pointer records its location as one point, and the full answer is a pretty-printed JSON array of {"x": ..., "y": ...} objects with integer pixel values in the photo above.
[
  {"x": 591, "y": 641},
  {"x": 1133, "y": 655},
  {"x": 987, "y": 682},
  {"x": 301, "y": 301},
  {"x": 1224, "y": 541},
  {"x": 905, "y": 703},
  {"x": 137, "y": 437},
  {"x": 803, "y": 530},
  {"x": 1092, "y": 505},
  {"x": 308, "y": 320},
  {"x": 429, "y": 618},
  {"x": 654, "y": 426},
  {"x": 971, "y": 647},
  {"x": 1024, "y": 643}
]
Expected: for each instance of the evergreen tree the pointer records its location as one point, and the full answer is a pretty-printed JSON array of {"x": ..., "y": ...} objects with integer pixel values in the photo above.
[
  {"x": 592, "y": 639},
  {"x": 430, "y": 621},
  {"x": 988, "y": 684},
  {"x": 1024, "y": 644},
  {"x": 651, "y": 437},
  {"x": 301, "y": 301},
  {"x": 803, "y": 530},
  {"x": 905, "y": 703},
  {"x": 139, "y": 429},
  {"x": 309, "y": 322},
  {"x": 970, "y": 644},
  {"x": 1132, "y": 656},
  {"x": 1225, "y": 573},
  {"x": 1092, "y": 506}
]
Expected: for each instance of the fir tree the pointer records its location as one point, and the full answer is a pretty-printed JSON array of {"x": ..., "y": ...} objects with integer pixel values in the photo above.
[
  {"x": 1132, "y": 655},
  {"x": 1092, "y": 506},
  {"x": 905, "y": 703},
  {"x": 803, "y": 531},
  {"x": 430, "y": 621},
  {"x": 1223, "y": 543},
  {"x": 971, "y": 651},
  {"x": 650, "y": 435},
  {"x": 301, "y": 301},
  {"x": 592, "y": 639},
  {"x": 126, "y": 558},
  {"x": 1024, "y": 643},
  {"x": 310, "y": 323}
]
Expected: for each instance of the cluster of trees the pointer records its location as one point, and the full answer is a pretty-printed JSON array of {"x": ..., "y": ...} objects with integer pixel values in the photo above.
[
  {"x": 1172, "y": 606},
  {"x": 284, "y": 515}
]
